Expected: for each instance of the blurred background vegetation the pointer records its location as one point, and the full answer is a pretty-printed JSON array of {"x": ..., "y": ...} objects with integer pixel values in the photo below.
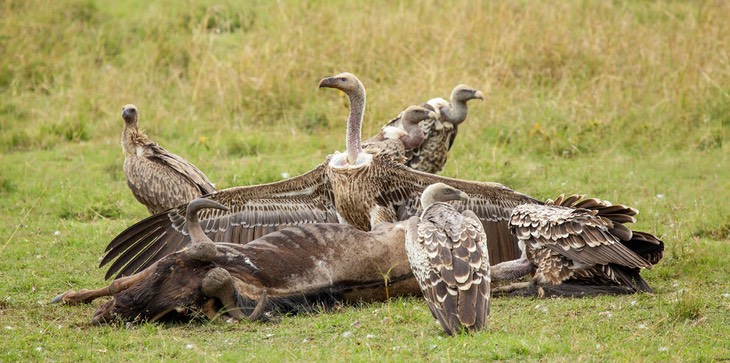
[{"x": 626, "y": 101}]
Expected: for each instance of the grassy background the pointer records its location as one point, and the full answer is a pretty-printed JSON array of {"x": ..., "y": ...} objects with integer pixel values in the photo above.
[{"x": 627, "y": 101}]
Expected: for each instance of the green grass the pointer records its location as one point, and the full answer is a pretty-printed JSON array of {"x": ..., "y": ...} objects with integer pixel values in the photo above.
[{"x": 626, "y": 101}]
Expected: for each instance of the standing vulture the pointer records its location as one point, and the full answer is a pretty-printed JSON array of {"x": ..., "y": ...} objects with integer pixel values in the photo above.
[
  {"x": 430, "y": 156},
  {"x": 398, "y": 140},
  {"x": 355, "y": 187},
  {"x": 158, "y": 178},
  {"x": 447, "y": 251},
  {"x": 581, "y": 240}
]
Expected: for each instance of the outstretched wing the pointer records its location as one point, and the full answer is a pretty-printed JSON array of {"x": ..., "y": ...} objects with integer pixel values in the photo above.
[
  {"x": 253, "y": 211},
  {"x": 575, "y": 233},
  {"x": 492, "y": 203}
]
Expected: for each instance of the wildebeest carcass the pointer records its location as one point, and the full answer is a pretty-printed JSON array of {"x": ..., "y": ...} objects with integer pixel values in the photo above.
[{"x": 296, "y": 269}]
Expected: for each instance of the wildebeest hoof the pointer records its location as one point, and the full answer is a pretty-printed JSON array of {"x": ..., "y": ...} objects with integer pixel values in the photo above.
[
  {"x": 72, "y": 297},
  {"x": 203, "y": 251}
]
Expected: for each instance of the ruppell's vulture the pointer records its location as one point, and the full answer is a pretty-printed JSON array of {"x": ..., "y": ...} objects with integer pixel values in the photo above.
[
  {"x": 447, "y": 251},
  {"x": 159, "y": 179}
]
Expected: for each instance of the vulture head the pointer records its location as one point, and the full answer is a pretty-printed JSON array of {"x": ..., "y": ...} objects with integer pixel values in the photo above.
[
  {"x": 456, "y": 110},
  {"x": 463, "y": 93},
  {"x": 345, "y": 82},
  {"x": 355, "y": 91},
  {"x": 441, "y": 192},
  {"x": 130, "y": 114},
  {"x": 410, "y": 119}
]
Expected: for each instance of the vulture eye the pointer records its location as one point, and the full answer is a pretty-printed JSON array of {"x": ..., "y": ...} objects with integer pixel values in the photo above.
[{"x": 343, "y": 79}]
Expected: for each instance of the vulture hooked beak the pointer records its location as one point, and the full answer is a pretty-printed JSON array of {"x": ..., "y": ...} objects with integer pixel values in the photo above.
[
  {"x": 479, "y": 95},
  {"x": 129, "y": 112},
  {"x": 463, "y": 196},
  {"x": 325, "y": 82}
]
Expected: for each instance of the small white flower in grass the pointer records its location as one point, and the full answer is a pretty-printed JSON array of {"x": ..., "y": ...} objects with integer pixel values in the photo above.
[
  {"x": 60, "y": 326},
  {"x": 370, "y": 336},
  {"x": 188, "y": 346},
  {"x": 57, "y": 233},
  {"x": 642, "y": 326},
  {"x": 598, "y": 346},
  {"x": 347, "y": 334},
  {"x": 305, "y": 340},
  {"x": 269, "y": 335},
  {"x": 726, "y": 295},
  {"x": 663, "y": 349},
  {"x": 38, "y": 256},
  {"x": 633, "y": 302},
  {"x": 660, "y": 196},
  {"x": 8, "y": 327},
  {"x": 38, "y": 349},
  {"x": 285, "y": 175}
]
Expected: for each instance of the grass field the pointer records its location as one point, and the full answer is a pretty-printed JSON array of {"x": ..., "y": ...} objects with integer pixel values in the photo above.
[{"x": 626, "y": 101}]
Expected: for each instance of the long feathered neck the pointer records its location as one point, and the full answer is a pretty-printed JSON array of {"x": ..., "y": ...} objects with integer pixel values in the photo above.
[
  {"x": 415, "y": 136},
  {"x": 133, "y": 137},
  {"x": 456, "y": 114},
  {"x": 354, "y": 123}
]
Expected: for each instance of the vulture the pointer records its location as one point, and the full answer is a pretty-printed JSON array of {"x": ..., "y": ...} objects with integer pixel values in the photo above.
[
  {"x": 355, "y": 187},
  {"x": 447, "y": 251},
  {"x": 159, "y": 179},
  {"x": 430, "y": 156},
  {"x": 582, "y": 241},
  {"x": 397, "y": 140}
]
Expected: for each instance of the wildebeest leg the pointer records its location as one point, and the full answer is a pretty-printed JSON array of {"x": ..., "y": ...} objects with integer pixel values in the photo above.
[
  {"x": 218, "y": 283},
  {"x": 85, "y": 296},
  {"x": 511, "y": 270},
  {"x": 516, "y": 288}
]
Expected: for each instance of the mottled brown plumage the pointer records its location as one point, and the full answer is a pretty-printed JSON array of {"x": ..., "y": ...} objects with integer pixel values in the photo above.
[
  {"x": 158, "y": 178},
  {"x": 447, "y": 251},
  {"x": 397, "y": 140},
  {"x": 355, "y": 187},
  {"x": 441, "y": 132},
  {"x": 585, "y": 240}
]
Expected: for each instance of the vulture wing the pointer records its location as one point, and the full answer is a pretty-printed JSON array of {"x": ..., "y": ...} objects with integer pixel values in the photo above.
[
  {"x": 492, "y": 203},
  {"x": 448, "y": 255},
  {"x": 253, "y": 211},
  {"x": 160, "y": 179}
]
